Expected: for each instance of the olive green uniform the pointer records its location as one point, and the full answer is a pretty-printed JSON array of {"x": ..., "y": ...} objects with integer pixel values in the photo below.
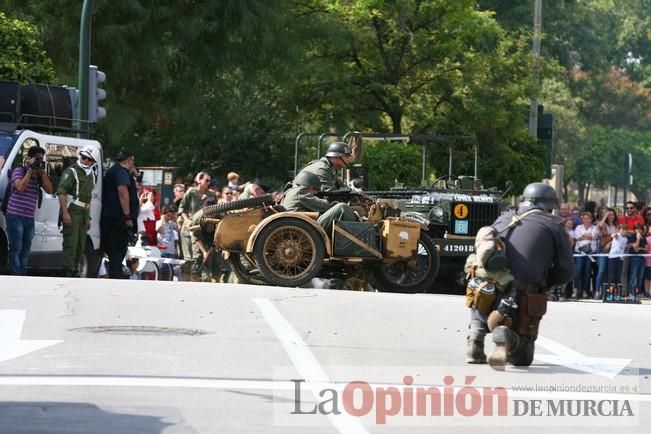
[
  {"x": 211, "y": 268},
  {"x": 299, "y": 198},
  {"x": 191, "y": 203},
  {"x": 326, "y": 172},
  {"x": 78, "y": 186}
]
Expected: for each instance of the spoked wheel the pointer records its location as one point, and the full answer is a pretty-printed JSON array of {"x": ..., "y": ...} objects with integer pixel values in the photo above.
[
  {"x": 289, "y": 252},
  {"x": 245, "y": 270},
  {"x": 400, "y": 277}
]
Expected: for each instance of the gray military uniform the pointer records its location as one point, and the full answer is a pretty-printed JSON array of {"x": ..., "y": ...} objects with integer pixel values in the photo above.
[
  {"x": 326, "y": 172},
  {"x": 299, "y": 198}
]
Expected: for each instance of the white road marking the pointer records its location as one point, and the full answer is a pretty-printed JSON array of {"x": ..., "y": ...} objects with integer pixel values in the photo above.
[
  {"x": 11, "y": 328},
  {"x": 565, "y": 356},
  {"x": 117, "y": 381},
  {"x": 243, "y": 384},
  {"x": 306, "y": 364}
]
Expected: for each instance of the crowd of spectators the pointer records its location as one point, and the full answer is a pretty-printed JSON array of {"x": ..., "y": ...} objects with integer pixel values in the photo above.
[
  {"x": 610, "y": 250},
  {"x": 170, "y": 231}
]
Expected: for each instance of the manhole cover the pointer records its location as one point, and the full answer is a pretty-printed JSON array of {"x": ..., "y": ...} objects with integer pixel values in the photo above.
[{"x": 140, "y": 330}]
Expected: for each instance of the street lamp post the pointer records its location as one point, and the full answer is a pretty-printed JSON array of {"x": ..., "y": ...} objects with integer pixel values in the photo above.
[
  {"x": 537, "y": 29},
  {"x": 84, "y": 60}
]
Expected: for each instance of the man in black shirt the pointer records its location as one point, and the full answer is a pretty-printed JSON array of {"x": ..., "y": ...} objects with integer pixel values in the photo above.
[{"x": 119, "y": 211}]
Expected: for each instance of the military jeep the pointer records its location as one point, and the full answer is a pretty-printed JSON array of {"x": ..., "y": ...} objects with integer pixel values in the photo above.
[
  {"x": 267, "y": 244},
  {"x": 454, "y": 208}
]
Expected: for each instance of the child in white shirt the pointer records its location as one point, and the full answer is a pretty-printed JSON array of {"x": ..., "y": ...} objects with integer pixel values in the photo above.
[{"x": 615, "y": 259}]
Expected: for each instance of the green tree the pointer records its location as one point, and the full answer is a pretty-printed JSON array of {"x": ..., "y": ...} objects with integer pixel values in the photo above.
[
  {"x": 422, "y": 68},
  {"x": 157, "y": 54},
  {"x": 22, "y": 57},
  {"x": 610, "y": 148},
  {"x": 578, "y": 34},
  {"x": 400, "y": 58},
  {"x": 391, "y": 162},
  {"x": 612, "y": 98}
]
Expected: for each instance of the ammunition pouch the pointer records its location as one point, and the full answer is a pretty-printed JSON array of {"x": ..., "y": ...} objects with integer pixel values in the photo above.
[
  {"x": 532, "y": 307},
  {"x": 480, "y": 295}
]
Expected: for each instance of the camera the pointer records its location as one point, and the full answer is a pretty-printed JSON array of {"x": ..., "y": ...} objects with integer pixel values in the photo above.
[{"x": 36, "y": 165}]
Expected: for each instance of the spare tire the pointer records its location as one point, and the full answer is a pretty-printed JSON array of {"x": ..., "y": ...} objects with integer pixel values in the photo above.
[
  {"x": 221, "y": 208},
  {"x": 398, "y": 277}
]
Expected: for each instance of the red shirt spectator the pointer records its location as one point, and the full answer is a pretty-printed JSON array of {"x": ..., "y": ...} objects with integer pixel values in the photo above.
[{"x": 630, "y": 218}]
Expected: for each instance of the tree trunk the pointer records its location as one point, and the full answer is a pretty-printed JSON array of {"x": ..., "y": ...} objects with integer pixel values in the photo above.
[
  {"x": 587, "y": 192},
  {"x": 396, "y": 121},
  {"x": 581, "y": 198},
  {"x": 566, "y": 183}
]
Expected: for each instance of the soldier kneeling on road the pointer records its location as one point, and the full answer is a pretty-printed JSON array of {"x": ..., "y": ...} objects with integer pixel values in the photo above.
[
  {"x": 517, "y": 259},
  {"x": 302, "y": 197}
]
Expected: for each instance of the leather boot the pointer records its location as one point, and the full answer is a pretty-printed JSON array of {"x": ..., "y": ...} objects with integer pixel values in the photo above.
[
  {"x": 475, "y": 354},
  {"x": 475, "y": 351},
  {"x": 504, "y": 340}
]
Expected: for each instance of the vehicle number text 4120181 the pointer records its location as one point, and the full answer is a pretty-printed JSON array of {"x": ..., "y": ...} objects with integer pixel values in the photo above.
[{"x": 459, "y": 248}]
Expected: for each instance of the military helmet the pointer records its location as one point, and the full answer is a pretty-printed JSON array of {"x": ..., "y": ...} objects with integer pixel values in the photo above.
[
  {"x": 541, "y": 196},
  {"x": 308, "y": 179},
  {"x": 338, "y": 149}
]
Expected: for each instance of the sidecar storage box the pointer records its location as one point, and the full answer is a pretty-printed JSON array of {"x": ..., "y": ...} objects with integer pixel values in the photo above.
[
  {"x": 356, "y": 239},
  {"x": 400, "y": 238}
]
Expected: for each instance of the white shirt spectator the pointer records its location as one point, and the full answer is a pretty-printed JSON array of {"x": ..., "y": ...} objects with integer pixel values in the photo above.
[
  {"x": 618, "y": 246},
  {"x": 168, "y": 236},
  {"x": 581, "y": 230}
]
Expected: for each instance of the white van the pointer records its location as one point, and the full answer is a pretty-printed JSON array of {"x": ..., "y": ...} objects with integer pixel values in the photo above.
[{"x": 47, "y": 245}]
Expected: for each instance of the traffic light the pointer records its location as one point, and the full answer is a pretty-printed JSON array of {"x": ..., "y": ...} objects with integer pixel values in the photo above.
[
  {"x": 545, "y": 126},
  {"x": 95, "y": 94},
  {"x": 545, "y": 135}
]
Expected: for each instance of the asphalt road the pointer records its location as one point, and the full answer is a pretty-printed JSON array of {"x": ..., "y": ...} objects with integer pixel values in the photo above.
[{"x": 99, "y": 356}]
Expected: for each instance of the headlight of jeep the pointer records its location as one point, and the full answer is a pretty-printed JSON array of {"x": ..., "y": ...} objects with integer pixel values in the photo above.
[{"x": 437, "y": 213}]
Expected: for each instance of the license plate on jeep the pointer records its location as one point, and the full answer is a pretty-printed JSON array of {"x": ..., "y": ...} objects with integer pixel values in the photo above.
[{"x": 456, "y": 247}]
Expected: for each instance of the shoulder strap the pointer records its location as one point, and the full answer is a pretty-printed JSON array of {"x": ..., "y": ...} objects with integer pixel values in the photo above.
[
  {"x": 515, "y": 220},
  {"x": 76, "y": 176}
]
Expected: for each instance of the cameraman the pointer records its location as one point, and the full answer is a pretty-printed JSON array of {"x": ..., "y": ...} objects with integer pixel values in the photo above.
[{"x": 26, "y": 182}]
